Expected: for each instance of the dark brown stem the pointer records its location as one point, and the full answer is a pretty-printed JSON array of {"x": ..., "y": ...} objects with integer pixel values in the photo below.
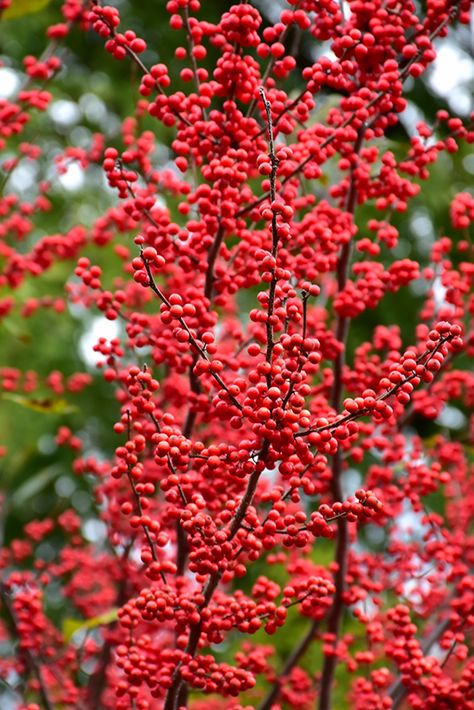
[
  {"x": 181, "y": 540},
  {"x": 273, "y": 175},
  {"x": 188, "y": 426},
  {"x": 97, "y": 680},
  {"x": 297, "y": 653},
  {"x": 177, "y": 691},
  {"x": 177, "y": 688},
  {"x": 138, "y": 504},
  {"x": 144, "y": 70},
  {"x": 342, "y": 544},
  {"x": 182, "y": 549},
  {"x": 211, "y": 260},
  {"x": 265, "y": 76},
  {"x": 269, "y": 68}
]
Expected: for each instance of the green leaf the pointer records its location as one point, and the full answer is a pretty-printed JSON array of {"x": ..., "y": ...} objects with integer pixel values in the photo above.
[
  {"x": 72, "y": 626},
  {"x": 18, "y": 8},
  {"x": 34, "y": 485},
  {"x": 46, "y": 405}
]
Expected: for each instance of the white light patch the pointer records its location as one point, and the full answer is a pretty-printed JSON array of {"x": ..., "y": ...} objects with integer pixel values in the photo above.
[
  {"x": 422, "y": 228},
  {"x": 66, "y": 113},
  {"x": 452, "y": 418},
  {"x": 451, "y": 75},
  {"x": 9, "y": 82},
  {"x": 421, "y": 225},
  {"x": 351, "y": 481},
  {"x": 270, "y": 474},
  {"x": 23, "y": 177},
  {"x": 64, "y": 487},
  {"x": 451, "y": 68},
  {"x": 100, "y": 327},
  {"x": 460, "y": 101},
  {"x": 468, "y": 163},
  {"x": 93, "y": 108},
  {"x": 409, "y": 525},
  {"x": 414, "y": 589},
  {"x": 439, "y": 293},
  {"x": 410, "y": 117},
  {"x": 94, "y": 530},
  {"x": 73, "y": 178}
]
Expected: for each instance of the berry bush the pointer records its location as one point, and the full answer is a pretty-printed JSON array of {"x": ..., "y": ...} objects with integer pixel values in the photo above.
[{"x": 285, "y": 518}]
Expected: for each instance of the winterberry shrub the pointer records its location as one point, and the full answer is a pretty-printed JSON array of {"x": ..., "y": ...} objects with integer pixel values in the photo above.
[{"x": 287, "y": 514}]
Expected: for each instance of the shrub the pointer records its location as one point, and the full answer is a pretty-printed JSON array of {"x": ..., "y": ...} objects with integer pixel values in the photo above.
[{"x": 289, "y": 379}]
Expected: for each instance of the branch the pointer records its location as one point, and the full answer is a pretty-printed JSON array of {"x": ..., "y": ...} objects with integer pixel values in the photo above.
[
  {"x": 138, "y": 504},
  {"x": 177, "y": 690},
  {"x": 342, "y": 544},
  {"x": 212, "y": 256},
  {"x": 424, "y": 359},
  {"x": 398, "y": 689},
  {"x": 189, "y": 422},
  {"x": 351, "y": 118},
  {"x": 290, "y": 663},
  {"x": 31, "y": 661},
  {"x": 192, "y": 339},
  {"x": 273, "y": 175},
  {"x": 97, "y": 680}
]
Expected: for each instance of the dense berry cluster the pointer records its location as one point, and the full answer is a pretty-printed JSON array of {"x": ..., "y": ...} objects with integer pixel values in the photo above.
[{"x": 263, "y": 453}]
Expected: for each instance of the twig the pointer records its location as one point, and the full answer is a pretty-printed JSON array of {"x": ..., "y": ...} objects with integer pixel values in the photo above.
[{"x": 138, "y": 504}]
